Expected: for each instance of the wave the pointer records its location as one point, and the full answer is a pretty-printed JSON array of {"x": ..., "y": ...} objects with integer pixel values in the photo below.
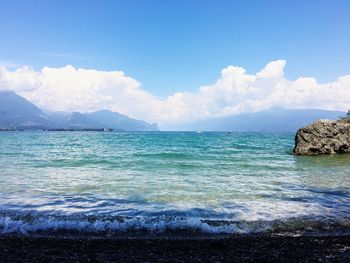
[{"x": 40, "y": 223}]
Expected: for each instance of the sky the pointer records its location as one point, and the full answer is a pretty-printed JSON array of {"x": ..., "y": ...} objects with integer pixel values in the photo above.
[{"x": 176, "y": 60}]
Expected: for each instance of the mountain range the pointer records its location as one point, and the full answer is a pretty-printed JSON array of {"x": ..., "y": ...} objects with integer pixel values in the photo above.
[
  {"x": 274, "y": 119},
  {"x": 18, "y": 113}
]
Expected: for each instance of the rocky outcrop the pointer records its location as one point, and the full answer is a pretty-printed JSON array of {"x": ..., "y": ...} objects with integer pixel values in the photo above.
[{"x": 323, "y": 137}]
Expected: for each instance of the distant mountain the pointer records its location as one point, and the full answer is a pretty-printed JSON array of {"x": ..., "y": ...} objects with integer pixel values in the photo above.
[
  {"x": 77, "y": 120},
  {"x": 99, "y": 119},
  {"x": 269, "y": 120},
  {"x": 116, "y": 120},
  {"x": 17, "y": 112}
]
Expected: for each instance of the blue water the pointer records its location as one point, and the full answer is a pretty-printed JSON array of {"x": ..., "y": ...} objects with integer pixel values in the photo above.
[{"x": 211, "y": 182}]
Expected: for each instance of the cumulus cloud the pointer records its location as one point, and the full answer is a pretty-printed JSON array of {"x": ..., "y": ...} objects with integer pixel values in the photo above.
[
  {"x": 21, "y": 79},
  {"x": 235, "y": 91}
]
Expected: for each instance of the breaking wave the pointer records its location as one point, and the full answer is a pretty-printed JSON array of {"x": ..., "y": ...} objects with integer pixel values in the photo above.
[{"x": 37, "y": 223}]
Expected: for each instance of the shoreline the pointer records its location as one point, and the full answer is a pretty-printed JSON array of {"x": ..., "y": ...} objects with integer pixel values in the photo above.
[{"x": 221, "y": 248}]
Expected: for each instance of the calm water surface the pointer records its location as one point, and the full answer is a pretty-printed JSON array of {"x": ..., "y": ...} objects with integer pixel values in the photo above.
[{"x": 216, "y": 182}]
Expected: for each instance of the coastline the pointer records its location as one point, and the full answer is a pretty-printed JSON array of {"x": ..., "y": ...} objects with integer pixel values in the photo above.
[{"x": 219, "y": 248}]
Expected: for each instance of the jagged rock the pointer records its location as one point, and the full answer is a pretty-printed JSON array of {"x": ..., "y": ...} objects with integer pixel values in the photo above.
[{"x": 323, "y": 137}]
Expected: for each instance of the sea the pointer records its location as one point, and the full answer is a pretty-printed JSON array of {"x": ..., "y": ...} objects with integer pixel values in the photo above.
[{"x": 152, "y": 183}]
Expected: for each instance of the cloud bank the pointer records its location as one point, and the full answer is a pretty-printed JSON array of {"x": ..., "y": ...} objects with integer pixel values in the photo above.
[{"x": 71, "y": 89}]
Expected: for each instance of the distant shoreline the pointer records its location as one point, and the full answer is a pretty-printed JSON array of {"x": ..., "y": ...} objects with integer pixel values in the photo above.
[
  {"x": 62, "y": 129},
  {"x": 234, "y": 248}
]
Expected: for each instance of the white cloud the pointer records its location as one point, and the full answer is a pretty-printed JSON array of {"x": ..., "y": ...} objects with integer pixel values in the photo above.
[
  {"x": 71, "y": 89},
  {"x": 21, "y": 79}
]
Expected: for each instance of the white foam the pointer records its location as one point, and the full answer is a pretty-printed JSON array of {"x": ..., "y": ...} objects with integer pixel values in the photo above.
[{"x": 156, "y": 225}]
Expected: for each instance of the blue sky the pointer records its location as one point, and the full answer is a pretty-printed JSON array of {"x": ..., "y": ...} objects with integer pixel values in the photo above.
[
  {"x": 175, "y": 61},
  {"x": 172, "y": 46}
]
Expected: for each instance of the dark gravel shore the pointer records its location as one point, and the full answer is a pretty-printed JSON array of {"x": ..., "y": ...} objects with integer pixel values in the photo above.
[{"x": 263, "y": 248}]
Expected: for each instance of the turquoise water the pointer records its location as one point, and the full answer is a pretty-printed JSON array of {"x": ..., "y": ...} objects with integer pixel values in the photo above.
[{"x": 212, "y": 182}]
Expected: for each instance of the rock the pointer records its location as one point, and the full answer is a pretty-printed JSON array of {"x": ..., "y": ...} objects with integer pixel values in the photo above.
[{"x": 323, "y": 137}]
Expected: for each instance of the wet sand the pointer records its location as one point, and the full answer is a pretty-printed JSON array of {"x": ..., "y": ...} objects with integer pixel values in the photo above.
[{"x": 258, "y": 248}]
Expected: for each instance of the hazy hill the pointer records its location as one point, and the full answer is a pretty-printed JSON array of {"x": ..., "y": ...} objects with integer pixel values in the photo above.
[
  {"x": 116, "y": 120},
  {"x": 17, "y": 112},
  {"x": 269, "y": 120}
]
